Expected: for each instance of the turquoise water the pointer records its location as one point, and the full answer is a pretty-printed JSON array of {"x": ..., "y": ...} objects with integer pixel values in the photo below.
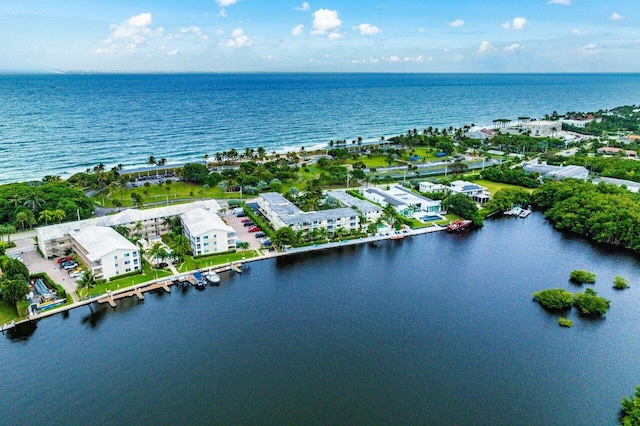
[
  {"x": 437, "y": 329},
  {"x": 57, "y": 124}
]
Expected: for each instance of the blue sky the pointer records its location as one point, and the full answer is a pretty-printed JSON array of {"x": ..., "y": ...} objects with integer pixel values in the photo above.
[{"x": 349, "y": 36}]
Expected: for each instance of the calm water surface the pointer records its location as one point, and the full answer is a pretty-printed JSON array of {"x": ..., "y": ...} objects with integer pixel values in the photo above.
[{"x": 437, "y": 329}]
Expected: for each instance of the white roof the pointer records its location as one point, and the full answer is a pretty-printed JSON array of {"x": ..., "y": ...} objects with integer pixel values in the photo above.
[
  {"x": 201, "y": 221},
  {"x": 99, "y": 241},
  {"x": 52, "y": 232}
]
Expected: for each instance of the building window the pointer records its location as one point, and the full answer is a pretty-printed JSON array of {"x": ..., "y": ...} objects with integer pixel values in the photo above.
[
  {"x": 135, "y": 254},
  {"x": 126, "y": 255},
  {"x": 135, "y": 261},
  {"x": 206, "y": 237},
  {"x": 128, "y": 270},
  {"x": 198, "y": 239},
  {"x": 126, "y": 262},
  {"x": 206, "y": 244},
  {"x": 117, "y": 272},
  {"x": 116, "y": 265},
  {"x": 206, "y": 251},
  {"x": 115, "y": 257}
]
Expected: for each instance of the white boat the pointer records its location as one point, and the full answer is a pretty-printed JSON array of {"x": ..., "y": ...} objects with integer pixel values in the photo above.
[{"x": 213, "y": 278}]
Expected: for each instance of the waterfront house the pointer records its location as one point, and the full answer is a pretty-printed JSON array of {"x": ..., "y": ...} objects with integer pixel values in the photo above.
[
  {"x": 478, "y": 193},
  {"x": 404, "y": 200},
  {"x": 104, "y": 252},
  {"x": 207, "y": 232}
]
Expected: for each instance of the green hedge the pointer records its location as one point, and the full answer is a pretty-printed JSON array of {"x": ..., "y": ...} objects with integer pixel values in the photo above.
[
  {"x": 201, "y": 256},
  {"x": 22, "y": 306},
  {"x": 128, "y": 274},
  {"x": 62, "y": 294},
  {"x": 260, "y": 222}
]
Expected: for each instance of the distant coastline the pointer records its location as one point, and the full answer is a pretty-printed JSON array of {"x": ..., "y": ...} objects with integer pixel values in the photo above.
[{"x": 68, "y": 124}]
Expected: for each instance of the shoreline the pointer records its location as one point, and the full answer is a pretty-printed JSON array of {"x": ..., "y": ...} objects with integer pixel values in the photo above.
[{"x": 225, "y": 267}]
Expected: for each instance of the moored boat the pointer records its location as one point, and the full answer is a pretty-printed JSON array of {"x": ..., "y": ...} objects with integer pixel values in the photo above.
[
  {"x": 459, "y": 225},
  {"x": 213, "y": 278}
]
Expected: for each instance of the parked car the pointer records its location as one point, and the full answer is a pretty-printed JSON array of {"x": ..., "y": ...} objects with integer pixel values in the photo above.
[
  {"x": 238, "y": 210},
  {"x": 18, "y": 258},
  {"x": 249, "y": 224},
  {"x": 78, "y": 269},
  {"x": 246, "y": 220},
  {"x": 71, "y": 267},
  {"x": 76, "y": 274},
  {"x": 254, "y": 229},
  {"x": 65, "y": 259},
  {"x": 241, "y": 214},
  {"x": 260, "y": 234}
]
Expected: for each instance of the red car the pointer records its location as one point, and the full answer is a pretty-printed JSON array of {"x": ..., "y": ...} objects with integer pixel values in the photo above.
[
  {"x": 254, "y": 229},
  {"x": 64, "y": 259},
  {"x": 246, "y": 220}
]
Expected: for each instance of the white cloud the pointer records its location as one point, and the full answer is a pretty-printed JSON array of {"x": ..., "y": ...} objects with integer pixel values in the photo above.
[
  {"x": 517, "y": 24},
  {"x": 335, "y": 36},
  {"x": 222, "y": 14},
  {"x": 392, "y": 58},
  {"x": 578, "y": 32},
  {"x": 130, "y": 34},
  {"x": 225, "y": 3},
  {"x": 413, "y": 59},
  {"x": 173, "y": 52},
  {"x": 368, "y": 29},
  {"x": 193, "y": 30},
  {"x": 325, "y": 20},
  {"x": 615, "y": 16},
  {"x": 485, "y": 47},
  {"x": 456, "y": 23},
  {"x": 239, "y": 39},
  {"x": 458, "y": 58},
  {"x": 562, "y": 2},
  {"x": 511, "y": 48},
  {"x": 297, "y": 30},
  {"x": 590, "y": 49},
  {"x": 267, "y": 57},
  {"x": 303, "y": 7},
  {"x": 370, "y": 60},
  {"x": 420, "y": 30}
]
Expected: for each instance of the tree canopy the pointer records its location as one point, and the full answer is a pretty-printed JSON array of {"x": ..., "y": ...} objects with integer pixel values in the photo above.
[
  {"x": 556, "y": 298},
  {"x": 602, "y": 212},
  {"x": 630, "y": 412},
  {"x": 589, "y": 303},
  {"x": 463, "y": 206}
]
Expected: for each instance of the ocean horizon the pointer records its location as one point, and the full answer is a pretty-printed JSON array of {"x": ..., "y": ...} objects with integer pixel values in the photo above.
[{"x": 67, "y": 122}]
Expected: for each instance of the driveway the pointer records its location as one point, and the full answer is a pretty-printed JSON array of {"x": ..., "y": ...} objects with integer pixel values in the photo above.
[{"x": 35, "y": 263}]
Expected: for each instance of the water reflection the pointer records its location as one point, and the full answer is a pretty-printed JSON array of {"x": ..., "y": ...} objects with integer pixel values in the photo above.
[{"x": 22, "y": 332}]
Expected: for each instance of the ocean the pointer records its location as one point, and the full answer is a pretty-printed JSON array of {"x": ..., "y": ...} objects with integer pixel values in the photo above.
[{"x": 60, "y": 124}]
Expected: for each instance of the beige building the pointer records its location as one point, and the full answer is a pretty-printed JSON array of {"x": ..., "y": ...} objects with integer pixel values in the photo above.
[
  {"x": 207, "y": 232},
  {"x": 55, "y": 240},
  {"x": 104, "y": 252}
]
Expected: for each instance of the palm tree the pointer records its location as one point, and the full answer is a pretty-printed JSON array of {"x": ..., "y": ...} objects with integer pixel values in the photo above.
[
  {"x": 122, "y": 230},
  {"x": 22, "y": 217},
  {"x": 155, "y": 252},
  {"x": 45, "y": 215},
  {"x": 59, "y": 215},
  {"x": 33, "y": 201},
  {"x": 138, "y": 228},
  {"x": 181, "y": 246},
  {"x": 244, "y": 245},
  {"x": 205, "y": 158},
  {"x": 88, "y": 281},
  {"x": 151, "y": 162},
  {"x": 162, "y": 162}
]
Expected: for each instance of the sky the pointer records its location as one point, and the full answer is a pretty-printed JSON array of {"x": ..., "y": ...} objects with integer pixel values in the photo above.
[{"x": 500, "y": 36}]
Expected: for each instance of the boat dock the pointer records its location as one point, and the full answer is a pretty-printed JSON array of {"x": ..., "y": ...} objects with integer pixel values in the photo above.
[{"x": 111, "y": 298}]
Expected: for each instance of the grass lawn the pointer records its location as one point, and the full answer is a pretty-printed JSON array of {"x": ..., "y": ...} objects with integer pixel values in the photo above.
[
  {"x": 450, "y": 218},
  {"x": 147, "y": 275},
  {"x": 157, "y": 193},
  {"x": 7, "y": 313},
  {"x": 494, "y": 187},
  {"x": 191, "y": 264}
]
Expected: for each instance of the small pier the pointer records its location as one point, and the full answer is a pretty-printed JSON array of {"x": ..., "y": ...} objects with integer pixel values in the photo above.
[
  {"x": 138, "y": 292},
  {"x": 236, "y": 267},
  {"x": 514, "y": 211}
]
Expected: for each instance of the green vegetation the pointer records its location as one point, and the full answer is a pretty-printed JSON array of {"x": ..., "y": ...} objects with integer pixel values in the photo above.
[
  {"x": 620, "y": 283},
  {"x": 515, "y": 176},
  {"x": 614, "y": 166},
  {"x": 589, "y": 303},
  {"x": 623, "y": 118},
  {"x": 556, "y": 298},
  {"x": 8, "y": 312},
  {"x": 630, "y": 411},
  {"x": 463, "y": 206},
  {"x": 24, "y": 205},
  {"x": 582, "y": 277},
  {"x": 505, "y": 199},
  {"x": 14, "y": 285},
  {"x": 191, "y": 264},
  {"x": 565, "y": 322},
  {"x": 602, "y": 212}
]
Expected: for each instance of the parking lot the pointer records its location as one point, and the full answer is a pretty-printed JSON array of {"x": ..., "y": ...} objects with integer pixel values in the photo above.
[
  {"x": 242, "y": 232},
  {"x": 35, "y": 263}
]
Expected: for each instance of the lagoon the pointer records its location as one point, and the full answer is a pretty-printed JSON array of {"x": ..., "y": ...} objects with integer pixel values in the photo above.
[{"x": 435, "y": 329}]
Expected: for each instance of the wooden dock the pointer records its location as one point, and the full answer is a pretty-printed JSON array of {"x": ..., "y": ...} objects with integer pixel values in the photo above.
[{"x": 138, "y": 292}]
